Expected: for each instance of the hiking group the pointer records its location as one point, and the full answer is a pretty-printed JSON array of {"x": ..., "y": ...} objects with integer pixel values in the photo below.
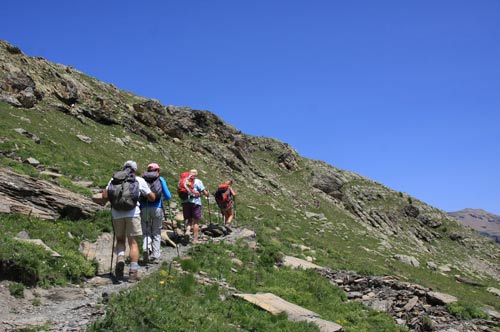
[{"x": 137, "y": 209}]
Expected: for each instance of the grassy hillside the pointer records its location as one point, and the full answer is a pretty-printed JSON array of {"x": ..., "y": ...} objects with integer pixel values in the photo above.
[{"x": 345, "y": 221}]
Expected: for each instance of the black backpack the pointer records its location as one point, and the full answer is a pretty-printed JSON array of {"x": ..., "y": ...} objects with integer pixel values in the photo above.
[
  {"x": 154, "y": 183},
  {"x": 123, "y": 191}
]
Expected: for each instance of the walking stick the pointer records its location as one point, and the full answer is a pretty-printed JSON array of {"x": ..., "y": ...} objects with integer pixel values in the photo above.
[
  {"x": 111, "y": 274},
  {"x": 209, "y": 212},
  {"x": 234, "y": 212},
  {"x": 174, "y": 226}
]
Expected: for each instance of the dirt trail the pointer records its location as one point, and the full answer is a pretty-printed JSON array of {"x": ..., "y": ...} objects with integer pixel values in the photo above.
[{"x": 73, "y": 308}]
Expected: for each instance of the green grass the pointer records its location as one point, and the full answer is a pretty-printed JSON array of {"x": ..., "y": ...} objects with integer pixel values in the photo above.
[
  {"x": 272, "y": 201},
  {"x": 33, "y": 265},
  {"x": 175, "y": 302}
]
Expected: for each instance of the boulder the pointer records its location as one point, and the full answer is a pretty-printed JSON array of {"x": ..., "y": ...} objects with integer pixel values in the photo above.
[
  {"x": 410, "y": 260},
  {"x": 493, "y": 291},
  {"x": 40, "y": 198},
  {"x": 411, "y": 211},
  {"x": 440, "y": 298}
]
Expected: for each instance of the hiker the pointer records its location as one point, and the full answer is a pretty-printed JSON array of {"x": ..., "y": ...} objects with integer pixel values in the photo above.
[
  {"x": 191, "y": 204},
  {"x": 224, "y": 196},
  {"x": 125, "y": 212},
  {"x": 152, "y": 214}
]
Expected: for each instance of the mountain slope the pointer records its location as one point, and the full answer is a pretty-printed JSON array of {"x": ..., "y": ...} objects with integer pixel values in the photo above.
[
  {"x": 85, "y": 129},
  {"x": 487, "y": 224}
]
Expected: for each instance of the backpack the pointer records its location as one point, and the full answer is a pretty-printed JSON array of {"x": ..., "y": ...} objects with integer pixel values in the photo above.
[
  {"x": 223, "y": 196},
  {"x": 185, "y": 189},
  {"x": 123, "y": 191},
  {"x": 154, "y": 183}
]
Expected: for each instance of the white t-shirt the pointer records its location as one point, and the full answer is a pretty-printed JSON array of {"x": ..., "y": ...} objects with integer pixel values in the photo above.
[{"x": 136, "y": 212}]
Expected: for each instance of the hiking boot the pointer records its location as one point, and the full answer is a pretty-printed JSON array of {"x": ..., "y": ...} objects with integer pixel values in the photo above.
[
  {"x": 154, "y": 260},
  {"x": 120, "y": 266},
  {"x": 134, "y": 276},
  {"x": 145, "y": 256}
]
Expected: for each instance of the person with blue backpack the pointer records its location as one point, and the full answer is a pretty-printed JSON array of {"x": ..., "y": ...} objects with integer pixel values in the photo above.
[
  {"x": 123, "y": 192},
  {"x": 152, "y": 214}
]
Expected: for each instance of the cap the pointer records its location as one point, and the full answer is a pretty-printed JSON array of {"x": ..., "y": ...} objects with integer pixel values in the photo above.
[
  {"x": 130, "y": 163},
  {"x": 153, "y": 167}
]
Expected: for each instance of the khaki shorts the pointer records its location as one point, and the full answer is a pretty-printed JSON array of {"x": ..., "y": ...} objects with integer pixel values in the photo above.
[{"x": 127, "y": 227}]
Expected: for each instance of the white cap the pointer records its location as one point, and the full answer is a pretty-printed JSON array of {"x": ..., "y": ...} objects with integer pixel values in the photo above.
[{"x": 130, "y": 163}]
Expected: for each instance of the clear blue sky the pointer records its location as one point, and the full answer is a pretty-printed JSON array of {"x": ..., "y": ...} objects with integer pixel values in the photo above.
[{"x": 406, "y": 93}]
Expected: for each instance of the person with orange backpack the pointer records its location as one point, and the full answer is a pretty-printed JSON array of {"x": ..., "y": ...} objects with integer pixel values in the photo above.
[
  {"x": 190, "y": 189},
  {"x": 224, "y": 196}
]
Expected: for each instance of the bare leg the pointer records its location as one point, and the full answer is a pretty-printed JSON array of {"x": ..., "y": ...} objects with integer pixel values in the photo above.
[
  {"x": 228, "y": 217},
  {"x": 120, "y": 245},
  {"x": 134, "y": 249},
  {"x": 195, "y": 230}
]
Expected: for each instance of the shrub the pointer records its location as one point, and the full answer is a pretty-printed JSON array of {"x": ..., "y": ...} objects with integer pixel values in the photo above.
[
  {"x": 14, "y": 50},
  {"x": 16, "y": 289},
  {"x": 466, "y": 310}
]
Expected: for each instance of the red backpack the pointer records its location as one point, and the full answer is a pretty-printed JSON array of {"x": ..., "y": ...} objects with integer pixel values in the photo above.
[
  {"x": 185, "y": 189},
  {"x": 223, "y": 196}
]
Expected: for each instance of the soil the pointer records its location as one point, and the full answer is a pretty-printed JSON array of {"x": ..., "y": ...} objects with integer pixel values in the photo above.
[{"x": 74, "y": 307}]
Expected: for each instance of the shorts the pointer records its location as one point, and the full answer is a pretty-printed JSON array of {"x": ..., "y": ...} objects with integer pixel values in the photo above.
[
  {"x": 191, "y": 211},
  {"x": 127, "y": 227}
]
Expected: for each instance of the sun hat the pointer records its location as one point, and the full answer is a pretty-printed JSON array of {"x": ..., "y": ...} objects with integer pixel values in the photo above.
[
  {"x": 130, "y": 163},
  {"x": 153, "y": 167}
]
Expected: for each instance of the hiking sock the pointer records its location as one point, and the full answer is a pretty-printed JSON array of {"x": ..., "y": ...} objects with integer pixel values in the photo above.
[{"x": 134, "y": 266}]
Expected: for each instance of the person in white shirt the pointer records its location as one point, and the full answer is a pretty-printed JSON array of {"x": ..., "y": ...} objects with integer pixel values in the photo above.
[{"x": 127, "y": 225}]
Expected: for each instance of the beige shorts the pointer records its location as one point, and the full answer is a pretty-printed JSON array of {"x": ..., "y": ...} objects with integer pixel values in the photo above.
[{"x": 127, "y": 227}]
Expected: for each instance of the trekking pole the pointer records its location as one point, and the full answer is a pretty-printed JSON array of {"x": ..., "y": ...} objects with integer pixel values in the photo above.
[
  {"x": 234, "y": 212},
  {"x": 209, "y": 212},
  {"x": 174, "y": 225},
  {"x": 112, "y": 276},
  {"x": 145, "y": 254}
]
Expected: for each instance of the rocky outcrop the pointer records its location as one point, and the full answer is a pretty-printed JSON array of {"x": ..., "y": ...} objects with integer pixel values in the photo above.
[
  {"x": 19, "y": 89},
  {"x": 40, "y": 198},
  {"x": 411, "y": 305}
]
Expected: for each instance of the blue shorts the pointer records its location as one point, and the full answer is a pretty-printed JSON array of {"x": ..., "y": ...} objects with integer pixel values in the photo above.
[{"x": 191, "y": 211}]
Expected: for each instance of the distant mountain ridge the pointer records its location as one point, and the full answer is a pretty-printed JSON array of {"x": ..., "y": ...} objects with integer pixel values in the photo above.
[{"x": 486, "y": 223}]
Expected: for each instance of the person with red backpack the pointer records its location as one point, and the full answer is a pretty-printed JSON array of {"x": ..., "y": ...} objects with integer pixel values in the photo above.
[
  {"x": 190, "y": 189},
  {"x": 152, "y": 214},
  {"x": 224, "y": 196}
]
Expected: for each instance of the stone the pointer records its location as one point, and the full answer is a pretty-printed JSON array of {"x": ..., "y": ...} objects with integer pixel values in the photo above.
[
  {"x": 23, "y": 235},
  {"x": 10, "y": 99},
  {"x": 51, "y": 174},
  {"x": 276, "y": 305},
  {"x": 444, "y": 268},
  {"x": 46, "y": 200},
  {"x": 493, "y": 291},
  {"x": 32, "y": 161},
  {"x": 432, "y": 266},
  {"x": 411, "y": 211},
  {"x": 381, "y": 305},
  {"x": 40, "y": 243},
  {"x": 236, "y": 261},
  {"x": 409, "y": 306},
  {"x": 27, "y": 98},
  {"x": 440, "y": 298},
  {"x": 297, "y": 263},
  {"x": 410, "y": 260},
  {"x": 84, "y": 138},
  {"x": 98, "y": 199}
]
